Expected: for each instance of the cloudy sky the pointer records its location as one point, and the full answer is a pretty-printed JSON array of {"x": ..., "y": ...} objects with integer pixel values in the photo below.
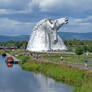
[{"x": 18, "y": 17}]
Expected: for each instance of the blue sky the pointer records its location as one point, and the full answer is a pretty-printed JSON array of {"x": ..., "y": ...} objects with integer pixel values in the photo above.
[{"x": 18, "y": 17}]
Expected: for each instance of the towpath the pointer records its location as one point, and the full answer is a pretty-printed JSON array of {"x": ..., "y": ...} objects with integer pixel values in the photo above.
[{"x": 81, "y": 66}]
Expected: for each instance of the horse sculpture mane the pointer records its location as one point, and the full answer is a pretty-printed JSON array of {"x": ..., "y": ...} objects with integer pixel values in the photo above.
[
  {"x": 39, "y": 24},
  {"x": 44, "y": 36}
]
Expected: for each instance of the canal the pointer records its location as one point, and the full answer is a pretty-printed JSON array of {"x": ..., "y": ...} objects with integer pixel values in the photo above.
[{"x": 17, "y": 80}]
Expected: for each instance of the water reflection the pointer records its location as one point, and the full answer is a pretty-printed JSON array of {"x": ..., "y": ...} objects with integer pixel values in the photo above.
[
  {"x": 50, "y": 85},
  {"x": 16, "y": 80}
]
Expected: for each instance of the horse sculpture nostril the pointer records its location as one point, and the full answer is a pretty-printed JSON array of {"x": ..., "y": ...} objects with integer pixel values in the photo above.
[{"x": 66, "y": 19}]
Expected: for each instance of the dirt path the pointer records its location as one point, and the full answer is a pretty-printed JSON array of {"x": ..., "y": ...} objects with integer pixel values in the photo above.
[
  {"x": 81, "y": 66},
  {"x": 90, "y": 60}
]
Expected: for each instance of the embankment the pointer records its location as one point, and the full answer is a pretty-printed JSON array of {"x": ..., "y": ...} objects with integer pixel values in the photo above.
[{"x": 80, "y": 79}]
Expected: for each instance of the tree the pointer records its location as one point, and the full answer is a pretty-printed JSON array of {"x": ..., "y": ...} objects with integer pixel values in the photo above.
[
  {"x": 81, "y": 43},
  {"x": 79, "y": 51},
  {"x": 66, "y": 42},
  {"x": 70, "y": 43},
  {"x": 85, "y": 48},
  {"x": 90, "y": 48}
]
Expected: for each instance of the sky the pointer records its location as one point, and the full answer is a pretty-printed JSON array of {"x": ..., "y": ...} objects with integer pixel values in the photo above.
[{"x": 18, "y": 17}]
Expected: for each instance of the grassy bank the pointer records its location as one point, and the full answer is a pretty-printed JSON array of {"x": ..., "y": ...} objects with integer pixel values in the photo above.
[
  {"x": 81, "y": 79},
  {"x": 1, "y": 52},
  {"x": 68, "y": 58}
]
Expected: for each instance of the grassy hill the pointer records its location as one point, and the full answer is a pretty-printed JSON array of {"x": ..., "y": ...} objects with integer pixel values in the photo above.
[
  {"x": 14, "y": 38},
  {"x": 64, "y": 35},
  {"x": 79, "y": 36}
]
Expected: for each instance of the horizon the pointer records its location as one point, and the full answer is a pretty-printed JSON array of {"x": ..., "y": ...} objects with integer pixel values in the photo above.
[{"x": 30, "y": 33}]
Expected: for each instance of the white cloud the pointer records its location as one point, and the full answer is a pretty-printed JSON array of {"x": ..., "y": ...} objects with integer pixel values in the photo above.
[
  {"x": 13, "y": 27},
  {"x": 78, "y": 21},
  {"x": 14, "y": 6},
  {"x": 10, "y": 11},
  {"x": 18, "y": 4},
  {"x": 8, "y": 26},
  {"x": 25, "y": 6},
  {"x": 80, "y": 25},
  {"x": 52, "y": 5}
]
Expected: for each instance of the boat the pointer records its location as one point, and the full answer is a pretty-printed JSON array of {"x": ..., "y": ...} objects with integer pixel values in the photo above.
[
  {"x": 9, "y": 60},
  {"x": 4, "y": 54}
]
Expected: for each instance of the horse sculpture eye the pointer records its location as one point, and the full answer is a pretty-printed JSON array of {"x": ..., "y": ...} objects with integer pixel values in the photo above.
[{"x": 50, "y": 21}]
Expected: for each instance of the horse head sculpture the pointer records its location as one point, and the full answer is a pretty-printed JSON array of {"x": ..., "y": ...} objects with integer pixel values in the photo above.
[{"x": 44, "y": 36}]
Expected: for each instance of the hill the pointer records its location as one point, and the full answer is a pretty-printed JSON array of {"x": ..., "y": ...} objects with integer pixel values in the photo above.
[
  {"x": 14, "y": 38},
  {"x": 64, "y": 35},
  {"x": 79, "y": 36}
]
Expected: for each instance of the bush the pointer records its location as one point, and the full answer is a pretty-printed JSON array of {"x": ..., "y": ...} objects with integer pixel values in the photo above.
[
  {"x": 79, "y": 50},
  {"x": 23, "y": 59},
  {"x": 85, "y": 48},
  {"x": 90, "y": 48}
]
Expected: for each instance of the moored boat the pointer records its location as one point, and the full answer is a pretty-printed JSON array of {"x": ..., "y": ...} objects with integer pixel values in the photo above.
[
  {"x": 9, "y": 60},
  {"x": 4, "y": 54}
]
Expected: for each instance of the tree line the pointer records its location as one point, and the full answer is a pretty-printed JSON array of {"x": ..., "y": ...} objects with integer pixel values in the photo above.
[
  {"x": 84, "y": 45},
  {"x": 16, "y": 44}
]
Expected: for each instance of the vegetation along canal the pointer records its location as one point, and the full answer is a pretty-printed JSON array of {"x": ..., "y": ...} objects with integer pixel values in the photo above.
[{"x": 17, "y": 80}]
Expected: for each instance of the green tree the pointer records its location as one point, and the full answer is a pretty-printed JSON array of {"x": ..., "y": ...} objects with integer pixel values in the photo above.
[
  {"x": 81, "y": 43},
  {"x": 66, "y": 42},
  {"x": 85, "y": 48},
  {"x": 79, "y": 51},
  {"x": 90, "y": 48}
]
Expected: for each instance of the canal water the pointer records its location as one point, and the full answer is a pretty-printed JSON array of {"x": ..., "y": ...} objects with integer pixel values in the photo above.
[{"x": 17, "y": 80}]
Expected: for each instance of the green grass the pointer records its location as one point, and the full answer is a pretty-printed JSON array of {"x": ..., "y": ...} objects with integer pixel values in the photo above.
[
  {"x": 58, "y": 72},
  {"x": 1, "y": 52},
  {"x": 68, "y": 58},
  {"x": 80, "y": 79}
]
